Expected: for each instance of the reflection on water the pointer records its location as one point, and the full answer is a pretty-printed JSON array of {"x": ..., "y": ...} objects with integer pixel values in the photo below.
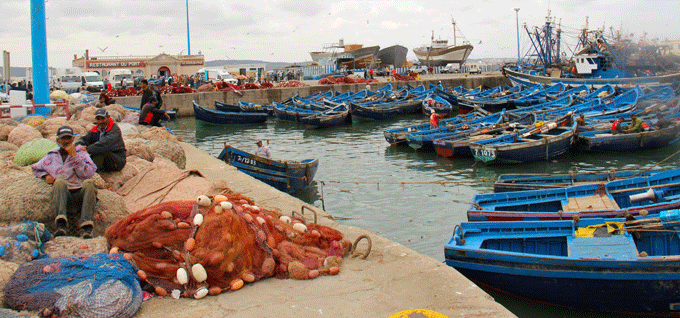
[{"x": 411, "y": 197}]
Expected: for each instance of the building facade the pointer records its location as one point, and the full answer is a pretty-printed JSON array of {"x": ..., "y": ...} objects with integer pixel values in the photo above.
[
  {"x": 146, "y": 66},
  {"x": 670, "y": 47}
]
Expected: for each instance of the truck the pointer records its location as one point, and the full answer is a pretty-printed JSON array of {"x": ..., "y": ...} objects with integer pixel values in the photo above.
[
  {"x": 67, "y": 79},
  {"x": 92, "y": 81},
  {"x": 120, "y": 75}
]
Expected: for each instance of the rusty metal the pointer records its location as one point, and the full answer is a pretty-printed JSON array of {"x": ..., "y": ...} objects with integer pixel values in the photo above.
[
  {"x": 368, "y": 249},
  {"x": 302, "y": 211}
]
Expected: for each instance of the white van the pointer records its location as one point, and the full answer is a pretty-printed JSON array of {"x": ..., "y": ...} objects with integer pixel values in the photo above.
[
  {"x": 116, "y": 77},
  {"x": 226, "y": 77},
  {"x": 475, "y": 69},
  {"x": 67, "y": 79},
  {"x": 92, "y": 81}
]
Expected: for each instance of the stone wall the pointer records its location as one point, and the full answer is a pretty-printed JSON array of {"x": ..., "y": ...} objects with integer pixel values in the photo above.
[{"x": 183, "y": 102}]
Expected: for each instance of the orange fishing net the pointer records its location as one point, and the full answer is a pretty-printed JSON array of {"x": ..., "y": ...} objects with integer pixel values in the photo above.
[{"x": 218, "y": 244}]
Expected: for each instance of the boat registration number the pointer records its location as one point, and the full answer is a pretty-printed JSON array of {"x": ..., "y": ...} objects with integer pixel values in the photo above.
[
  {"x": 246, "y": 160},
  {"x": 484, "y": 152}
]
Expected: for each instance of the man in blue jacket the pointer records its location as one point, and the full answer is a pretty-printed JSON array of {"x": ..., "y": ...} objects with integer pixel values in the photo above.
[{"x": 104, "y": 143}]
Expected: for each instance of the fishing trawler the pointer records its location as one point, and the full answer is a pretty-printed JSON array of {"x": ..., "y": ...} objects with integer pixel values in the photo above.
[
  {"x": 356, "y": 55},
  {"x": 440, "y": 53},
  {"x": 596, "y": 61}
]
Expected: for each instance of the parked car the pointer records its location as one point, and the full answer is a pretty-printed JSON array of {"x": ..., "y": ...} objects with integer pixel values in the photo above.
[
  {"x": 421, "y": 69},
  {"x": 474, "y": 69},
  {"x": 450, "y": 69}
]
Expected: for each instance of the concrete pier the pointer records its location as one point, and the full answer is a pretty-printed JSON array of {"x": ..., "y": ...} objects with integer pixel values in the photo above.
[
  {"x": 392, "y": 279},
  {"x": 183, "y": 102}
]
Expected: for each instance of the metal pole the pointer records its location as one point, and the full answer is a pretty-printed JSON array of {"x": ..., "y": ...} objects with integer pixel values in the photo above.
[
  {"x": 41, "y": 87},
  {"x": 517, "y": 19},
  {"x": 188, "y": 41}
]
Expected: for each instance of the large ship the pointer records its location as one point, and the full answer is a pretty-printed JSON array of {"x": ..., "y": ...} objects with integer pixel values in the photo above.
[
  {"x": 351, "y": 55},
  {"x": 440, "y": 53},
  {"x": 394, "y": 55},
  {"x": 596, "y": 61}
]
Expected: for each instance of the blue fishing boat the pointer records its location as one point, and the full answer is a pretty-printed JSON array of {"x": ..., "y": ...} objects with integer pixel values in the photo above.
[
  {"x": 397, "y": 136},
  {"x": 338, "y": 115},
  {"x": 545, "y": 142},
  {"x": 423, "y": 139},
  {"x": 291, "y": 113},
  {"x": 287, "y": 176},
  {"x": 538, "y": 181},
  {"x": 375, "y": 112},
  {"x": 437, "y": 104},
  {"x": 613, "y": 265},
  {"x": 244, "y": 108},
  {"x": 605, "y": 141},
  {"x": 458, "y": 144},
  {"x": 653, "y": 193},
  {"x": 218, "y": 117}
]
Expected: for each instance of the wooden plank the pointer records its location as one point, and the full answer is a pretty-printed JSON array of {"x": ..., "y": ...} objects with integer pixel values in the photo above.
[{"x": 595, "y": 202}]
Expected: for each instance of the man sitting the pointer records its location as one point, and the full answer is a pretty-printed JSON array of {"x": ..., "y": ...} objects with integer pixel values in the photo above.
[
  {"x": 635, "y": 125},
  {"x": 69, "y": 169},
  {"x": 262, "y": 150},
  {"x": 662, "y": 122},
  {"x": 104, "y": 142},
  {"x": 151, "y": 115}
]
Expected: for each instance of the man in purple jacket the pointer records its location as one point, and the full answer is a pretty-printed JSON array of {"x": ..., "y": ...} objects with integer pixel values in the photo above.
[{"x": 69, "y": 169}]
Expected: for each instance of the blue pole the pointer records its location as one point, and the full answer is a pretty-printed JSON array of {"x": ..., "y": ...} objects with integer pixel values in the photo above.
[
  {"x": 39, "y": 47},
  {"x": 517, "y": 19},
  {"x": 188, "y": 41}
]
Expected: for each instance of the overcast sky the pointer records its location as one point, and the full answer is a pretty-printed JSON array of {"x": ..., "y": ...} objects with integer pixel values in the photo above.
[{"x": 287, "y": 30}]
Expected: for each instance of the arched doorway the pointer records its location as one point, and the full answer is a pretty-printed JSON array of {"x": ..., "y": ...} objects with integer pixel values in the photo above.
[{"x": 164, "y": 71}]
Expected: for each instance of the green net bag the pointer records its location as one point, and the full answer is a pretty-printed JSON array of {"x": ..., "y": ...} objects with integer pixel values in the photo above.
[{"x": 32, "y": 151}]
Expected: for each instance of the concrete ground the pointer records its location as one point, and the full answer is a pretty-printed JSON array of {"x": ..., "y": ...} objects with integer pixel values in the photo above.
[{"x": 392, "y": 279}]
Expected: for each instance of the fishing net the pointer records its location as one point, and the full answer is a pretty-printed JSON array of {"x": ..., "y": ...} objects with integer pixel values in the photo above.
[
  {"x": 193, "y": 249},
  {"x": 32, "y": 151},
  {"x": 23, "y": 242},
  {"x": 99, "y": 285}
]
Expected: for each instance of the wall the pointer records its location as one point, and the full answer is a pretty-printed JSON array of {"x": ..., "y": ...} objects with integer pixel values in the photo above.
[{"x": 183, "y": 102}]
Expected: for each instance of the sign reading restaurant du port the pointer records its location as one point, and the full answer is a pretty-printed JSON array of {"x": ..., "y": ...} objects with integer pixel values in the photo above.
[{"x": 117, "y": 64}]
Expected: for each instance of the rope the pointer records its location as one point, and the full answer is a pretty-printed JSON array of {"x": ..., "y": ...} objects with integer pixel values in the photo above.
[{"x": 403, "y": 182}]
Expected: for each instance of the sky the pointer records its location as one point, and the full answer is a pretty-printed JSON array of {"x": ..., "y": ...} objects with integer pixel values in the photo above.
[{"x": 287, "y": 30}]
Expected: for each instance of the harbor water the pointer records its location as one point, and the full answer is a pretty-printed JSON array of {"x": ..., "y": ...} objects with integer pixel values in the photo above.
[{"x": 412, "y": 197}]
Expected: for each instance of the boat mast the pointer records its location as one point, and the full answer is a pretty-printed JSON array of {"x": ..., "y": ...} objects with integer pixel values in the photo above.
[{"x": 454, "y": 31}]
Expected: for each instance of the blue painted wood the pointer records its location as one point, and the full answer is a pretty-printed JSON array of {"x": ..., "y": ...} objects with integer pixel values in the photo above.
[
  {"x": 523, "y": 182},
  {"x": 287, "y": 176},
  {"x": 218, "y": 117},
  {"x": 543, "y": 261},
  {"x": 551, "y": 204}
]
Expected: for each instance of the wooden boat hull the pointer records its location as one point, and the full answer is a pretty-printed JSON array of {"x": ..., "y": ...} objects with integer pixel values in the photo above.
[
  {"x": 541, "y": 148},
  {"x": 324, "y": 120},
  {"x": 585, "y": 200},
  {"x": 646, "y": 140},
  {"x": 520, "y": 78},
  {"x": 545, "y": 262},
  {"x": 374, "y": 112},
  {"x": 524, "y": 182},
  {"x": 286, "y": 176},
  {"x": 225, "y": 118}
]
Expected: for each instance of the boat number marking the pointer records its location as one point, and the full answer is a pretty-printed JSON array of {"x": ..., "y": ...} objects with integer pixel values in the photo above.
[
  {"x": 246, "y": 160},
  {"x": 485, "y": 153}
]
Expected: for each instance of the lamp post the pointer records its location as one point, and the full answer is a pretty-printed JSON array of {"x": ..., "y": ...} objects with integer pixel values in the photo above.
[
  {"x": 188, "y": 41},
  {"x": 41, "y": 94},
  {"x": 517, "y": 20}
]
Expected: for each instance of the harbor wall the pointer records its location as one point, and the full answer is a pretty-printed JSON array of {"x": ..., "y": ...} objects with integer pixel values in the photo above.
[{"x": 183, "y": 102}]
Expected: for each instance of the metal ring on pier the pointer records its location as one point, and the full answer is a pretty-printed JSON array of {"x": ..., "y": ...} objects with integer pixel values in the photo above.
[{"x": 368, "y": 250}]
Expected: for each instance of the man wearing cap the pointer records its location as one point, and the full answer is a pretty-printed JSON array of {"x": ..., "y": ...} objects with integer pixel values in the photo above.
[
  {"x": 151, "y": 115},
  {"x": 69, "y": 169},
  {"x": 262, "y": 150},
  {"x": 104, "y": 143}
]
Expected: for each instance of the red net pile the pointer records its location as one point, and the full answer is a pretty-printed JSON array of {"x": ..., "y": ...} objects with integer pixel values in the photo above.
[
  {"x": 399, "y": 77},
  {"x": 330, "y": 80},
  {"x": 219, "y": 244},
  {"x": 290, "y": 84}
]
